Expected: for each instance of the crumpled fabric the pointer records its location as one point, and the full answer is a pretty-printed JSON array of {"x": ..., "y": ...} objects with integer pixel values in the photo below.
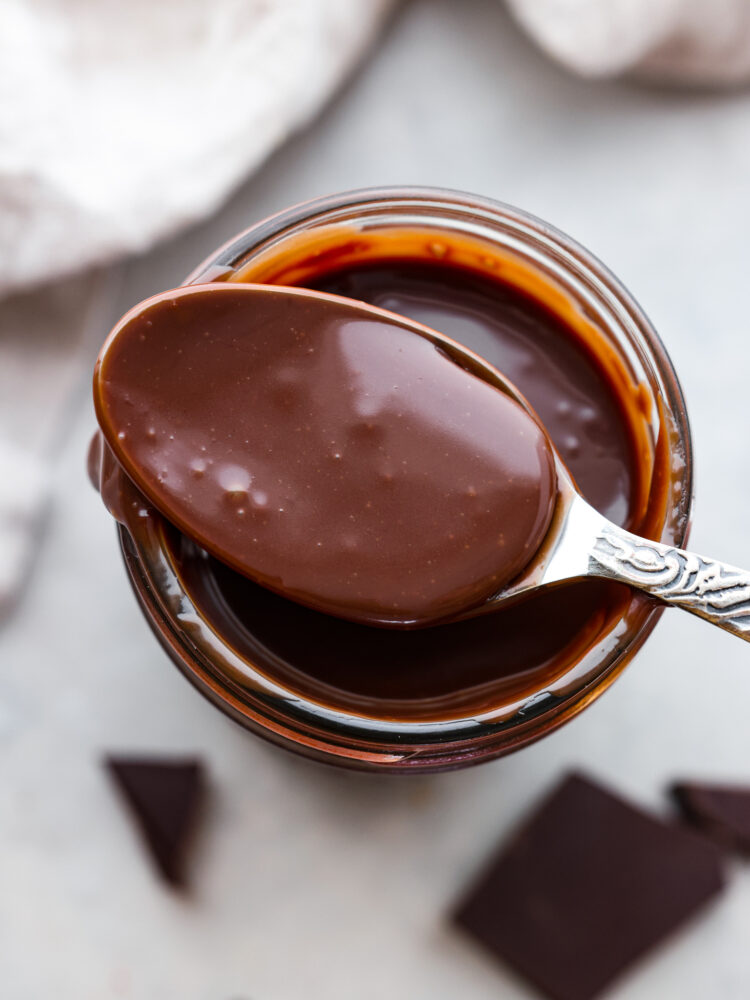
[
  {"x": 698, "y": 42},
  {"x": 122, "y": 121}
]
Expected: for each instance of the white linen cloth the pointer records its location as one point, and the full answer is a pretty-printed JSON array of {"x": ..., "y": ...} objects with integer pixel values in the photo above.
[
  {"x": 123, "y": 120},
  {"x": 48, "y": 340},
  {"x": 683, "y": 41}
]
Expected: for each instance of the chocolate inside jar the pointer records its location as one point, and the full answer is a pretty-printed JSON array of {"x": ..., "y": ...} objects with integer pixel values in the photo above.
[{"x": 477, "y": 664}]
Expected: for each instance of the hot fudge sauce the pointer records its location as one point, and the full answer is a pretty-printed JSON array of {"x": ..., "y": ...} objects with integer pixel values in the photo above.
[{"x": 470, "y": 665}]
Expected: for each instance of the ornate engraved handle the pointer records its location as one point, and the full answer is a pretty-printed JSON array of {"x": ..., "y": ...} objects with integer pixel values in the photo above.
[{"x": 713, "y": 590}]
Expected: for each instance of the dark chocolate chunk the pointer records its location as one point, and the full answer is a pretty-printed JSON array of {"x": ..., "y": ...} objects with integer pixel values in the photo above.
[
  {"x": 585, "y": 887},
  {"x": 720, "y": 811},
  {"x": 164, "y": 798}
]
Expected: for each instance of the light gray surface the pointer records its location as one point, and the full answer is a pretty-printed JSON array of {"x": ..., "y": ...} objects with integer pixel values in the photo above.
[{"x": 318, "y": 884}]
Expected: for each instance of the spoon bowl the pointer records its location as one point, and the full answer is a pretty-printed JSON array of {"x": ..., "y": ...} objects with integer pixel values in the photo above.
[{"x": 340, "y": 455}]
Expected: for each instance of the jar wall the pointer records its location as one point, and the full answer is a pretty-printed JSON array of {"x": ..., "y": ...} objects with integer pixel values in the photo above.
[{"x": 491, "y": 239}]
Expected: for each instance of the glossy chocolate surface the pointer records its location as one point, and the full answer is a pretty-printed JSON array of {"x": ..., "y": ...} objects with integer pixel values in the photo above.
[
  {"x": 326, "y": 450},
  {"x": 532, "y": 347},
  {"x": 441, "y": 671}
]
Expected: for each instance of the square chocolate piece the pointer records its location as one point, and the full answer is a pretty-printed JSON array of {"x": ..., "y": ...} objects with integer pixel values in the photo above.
[
  {"x": 722, "y": 812},
  {"x": 585, "y": 887},
  {"x": 164, "y": 798}
]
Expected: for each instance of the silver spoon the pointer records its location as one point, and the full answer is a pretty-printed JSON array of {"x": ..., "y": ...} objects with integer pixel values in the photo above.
[{"x": 581, "y": 543}]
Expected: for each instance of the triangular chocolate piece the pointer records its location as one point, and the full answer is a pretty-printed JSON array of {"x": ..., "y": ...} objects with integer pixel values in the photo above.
[
  {"x": 720, "y": 811},
  {"x": 163, "y": 796},
  {"x": 585, "y": 887}
]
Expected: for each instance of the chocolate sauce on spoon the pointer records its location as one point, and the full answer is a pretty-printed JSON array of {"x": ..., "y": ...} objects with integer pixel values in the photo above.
[{"x": 328, "y": 450}]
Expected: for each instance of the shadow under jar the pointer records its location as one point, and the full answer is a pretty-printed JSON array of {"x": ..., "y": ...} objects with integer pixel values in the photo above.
[{"x": 557, "y": 324}]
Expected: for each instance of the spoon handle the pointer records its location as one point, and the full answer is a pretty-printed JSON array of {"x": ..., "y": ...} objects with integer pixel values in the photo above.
[{"x": 710, "y": 589}]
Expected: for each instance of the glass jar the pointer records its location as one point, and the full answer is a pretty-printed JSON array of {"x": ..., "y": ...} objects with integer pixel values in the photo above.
[{"x": 245, "y": 680}]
